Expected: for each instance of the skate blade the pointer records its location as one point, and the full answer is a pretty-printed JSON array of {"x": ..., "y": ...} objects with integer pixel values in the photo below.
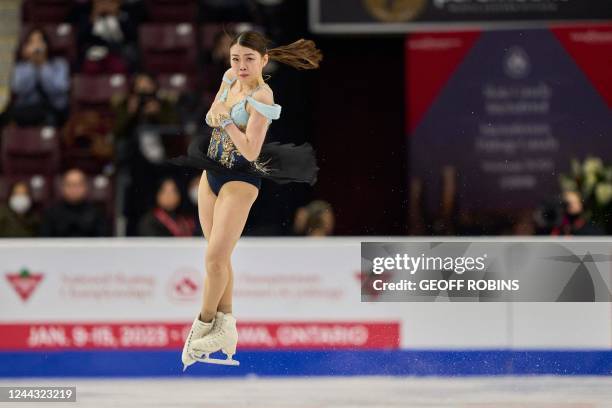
[{"x": 227, "y": 361}]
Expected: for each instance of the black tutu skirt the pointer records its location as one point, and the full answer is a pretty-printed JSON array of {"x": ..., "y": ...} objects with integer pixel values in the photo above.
[{"x": 283, "y": 163}]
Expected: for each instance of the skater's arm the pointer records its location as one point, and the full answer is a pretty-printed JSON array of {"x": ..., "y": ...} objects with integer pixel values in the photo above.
[
  {"x": 210, "y": 118},
  {"x": 249, "y": 142}
]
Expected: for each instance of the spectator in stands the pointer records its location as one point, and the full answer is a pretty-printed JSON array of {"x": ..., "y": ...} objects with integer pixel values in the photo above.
[
  {"x": 573, "y": 220},
  {"x": 107, "y": 39},
  {"x": 74, "y": 215},
  {"x": 164, "y": 220},
  {"x": 217, "y": 60},
  {"x": 17, "y": 217},
  {"x": 40, "y": 84},
  {"x": 314, "y": 220},
  {"x": 139, "y": 148},
  {"x": 142, "y": 106}
]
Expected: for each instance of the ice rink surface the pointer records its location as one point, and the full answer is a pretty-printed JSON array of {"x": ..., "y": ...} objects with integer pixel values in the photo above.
[{"x": 335, "y": 392}]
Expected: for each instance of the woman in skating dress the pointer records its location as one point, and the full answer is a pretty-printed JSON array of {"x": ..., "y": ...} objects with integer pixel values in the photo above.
[{"x": 235, "y": 159}]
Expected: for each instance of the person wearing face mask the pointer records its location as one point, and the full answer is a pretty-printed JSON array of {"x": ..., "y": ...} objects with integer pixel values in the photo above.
[
  {"x": 164, "y": 220},
  {"x": 17, "y": 217},
  {"x": 107, "y": 39}
]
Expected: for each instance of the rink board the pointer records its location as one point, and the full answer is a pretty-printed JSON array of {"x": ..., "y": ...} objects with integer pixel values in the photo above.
[
  {"x": 310, "y": 363},
  {"x": 122, "y": 308}
]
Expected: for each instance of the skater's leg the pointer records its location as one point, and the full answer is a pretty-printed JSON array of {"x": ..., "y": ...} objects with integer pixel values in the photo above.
[
  {"x": 229, "y": 217},
  {"x": 225, "y": 304},
  {"x": 206, "y": 203},
  {"x": 206, "y": 207}
]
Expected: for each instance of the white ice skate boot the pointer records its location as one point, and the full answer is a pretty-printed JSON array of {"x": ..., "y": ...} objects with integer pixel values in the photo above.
[
  {"x": 198, "y": 330},
  {"x": 223, "y": 336}
]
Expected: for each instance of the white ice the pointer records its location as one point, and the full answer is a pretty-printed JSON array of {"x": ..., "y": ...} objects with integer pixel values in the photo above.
[{"x": 336, "y": 392}]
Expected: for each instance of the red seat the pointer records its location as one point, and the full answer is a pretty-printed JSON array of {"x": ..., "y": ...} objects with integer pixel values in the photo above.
[
  {"x": 176, "y": 83},
  {"x": 40, "y": 187},
  {"x": 30, "y": 150},
  {"x": 96, "y": 91},
  {"x": 46, "y": 11},
  {"x": 168, "y": 48},
  {"x": 209, "y": 31},
  {"x": 62, "y": 38},
  {"x": 178, "y": 11}
]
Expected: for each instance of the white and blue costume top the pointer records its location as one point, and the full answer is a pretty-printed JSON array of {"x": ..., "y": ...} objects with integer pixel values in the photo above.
[{"x": 221, "y": 147}]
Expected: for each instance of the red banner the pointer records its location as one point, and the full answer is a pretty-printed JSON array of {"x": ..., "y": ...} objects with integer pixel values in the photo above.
[{"x": 293, "y": 335}]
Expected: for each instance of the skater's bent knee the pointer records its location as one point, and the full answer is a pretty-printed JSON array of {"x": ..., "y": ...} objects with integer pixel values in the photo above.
[{"x": 217, "y": 268}]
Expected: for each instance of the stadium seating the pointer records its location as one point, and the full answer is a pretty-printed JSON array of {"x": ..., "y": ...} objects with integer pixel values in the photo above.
[
  {"x": 179, "y": 11},
  {"x": 168, "y": 48},
  {"x": 46, "y": 11},
  {"x": 96, "y": 91},
  {"x": 33, "y": 150}
]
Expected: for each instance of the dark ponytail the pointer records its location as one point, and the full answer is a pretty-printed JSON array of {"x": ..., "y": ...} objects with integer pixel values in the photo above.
[{"x": 301, "y": 54}]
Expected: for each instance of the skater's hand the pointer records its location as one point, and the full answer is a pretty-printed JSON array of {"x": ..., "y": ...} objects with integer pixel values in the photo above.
[
  {"x": 219, "y": 108},
  {"x": 212, "y": 120}
]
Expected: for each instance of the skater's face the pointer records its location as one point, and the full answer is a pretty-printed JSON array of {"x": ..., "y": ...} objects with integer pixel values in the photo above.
[{"x": 247, "y": 64}]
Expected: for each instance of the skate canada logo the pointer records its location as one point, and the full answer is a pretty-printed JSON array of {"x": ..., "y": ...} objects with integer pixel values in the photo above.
[
  {"x": 184, "y": 285},
  {"x": 516, "y": 63},
  {"x": 24, "y": 282},
  {"x": 395, "y": 11}
]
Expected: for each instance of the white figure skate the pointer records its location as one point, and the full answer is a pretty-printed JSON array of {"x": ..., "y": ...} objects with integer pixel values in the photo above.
[
  {"x": 223, "y": 336},
  {"x": 198, "y": 330}
]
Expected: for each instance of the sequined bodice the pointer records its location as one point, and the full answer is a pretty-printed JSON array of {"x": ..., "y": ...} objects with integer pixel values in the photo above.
[{"x": 221, "y": 147}]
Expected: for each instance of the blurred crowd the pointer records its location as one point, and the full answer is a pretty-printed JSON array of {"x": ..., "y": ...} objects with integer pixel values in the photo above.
[
  {"x": 102, "y": 92},
  {"x": 582, "y": 208}
]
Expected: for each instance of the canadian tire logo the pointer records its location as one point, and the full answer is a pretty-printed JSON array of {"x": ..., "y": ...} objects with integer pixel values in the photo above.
[{"x": 24, "y": 282}]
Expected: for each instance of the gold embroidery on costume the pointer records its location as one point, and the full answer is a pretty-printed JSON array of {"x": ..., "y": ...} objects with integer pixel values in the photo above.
[
  {"x": 222, "y": 149},
  {"x": 262, "y": 166},
  {"x": 220, "y": 142}
]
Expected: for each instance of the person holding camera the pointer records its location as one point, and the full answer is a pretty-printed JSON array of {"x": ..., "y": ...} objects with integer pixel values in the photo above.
[{"x": 139, "y": 147}]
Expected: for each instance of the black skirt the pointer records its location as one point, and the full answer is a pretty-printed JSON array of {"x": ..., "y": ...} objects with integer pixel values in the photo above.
[{"x": 283, "y": 163}]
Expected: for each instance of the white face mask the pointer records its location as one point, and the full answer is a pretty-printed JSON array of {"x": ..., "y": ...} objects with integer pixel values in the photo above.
[
  {"x": 193, "y": 195},
  {"x": 20, "y": 203}
]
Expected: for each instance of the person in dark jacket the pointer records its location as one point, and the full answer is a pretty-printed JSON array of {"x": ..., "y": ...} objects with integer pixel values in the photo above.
[
  {"x": 74, "y": 215},
  {"x": 164, "y": 220},
  {"x": 18, "y": 219}
]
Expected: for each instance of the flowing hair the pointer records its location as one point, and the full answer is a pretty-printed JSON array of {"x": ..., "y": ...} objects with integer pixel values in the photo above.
[{"x": 301, "y": 54}]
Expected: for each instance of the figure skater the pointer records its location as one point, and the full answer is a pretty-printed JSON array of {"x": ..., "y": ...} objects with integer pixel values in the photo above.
[{"x": 235, "y": 159}]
